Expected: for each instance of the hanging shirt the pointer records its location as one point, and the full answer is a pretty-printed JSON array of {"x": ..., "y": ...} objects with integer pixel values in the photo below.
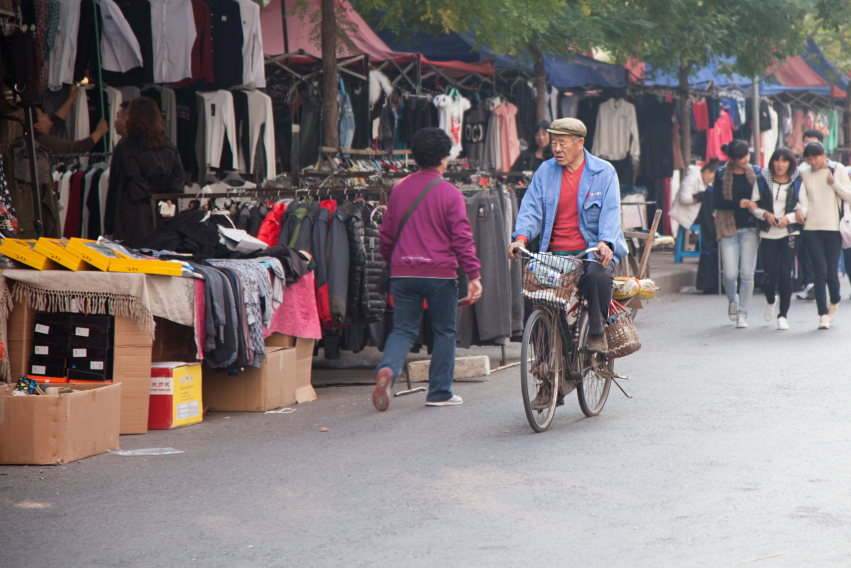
[
  {"x": 227, "y": 41},
  {"x": 253, "y": 67},
  {"x": 566, "y": 235},
  {"x": 64, "y": 52},
  {"x": 202, "y": 50},
  {"x": 220, "y": 123},
  {"x": 616, "y": 133},
  {"x": 450, "y": 112},
  {"x": 508, "y": 139},
  {"x": 119, "y": 47},
  {"x": 721, "y": 133},
  {"x": 768, "y": 139},
  {"x": 114, "y": 99},
  {"x": 701, "y": 116},
  {"x": 173, "y": 29}
]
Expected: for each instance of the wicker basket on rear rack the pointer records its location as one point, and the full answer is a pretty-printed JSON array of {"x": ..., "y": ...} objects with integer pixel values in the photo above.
[{"x": 550, "y": 279}]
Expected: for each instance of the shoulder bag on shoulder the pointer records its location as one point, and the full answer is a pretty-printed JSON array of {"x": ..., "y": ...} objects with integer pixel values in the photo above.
[{"x": 385, "y": 274}]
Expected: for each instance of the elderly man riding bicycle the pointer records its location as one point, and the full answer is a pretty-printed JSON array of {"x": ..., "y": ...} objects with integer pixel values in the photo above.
[{"x": 573, "y": 202}]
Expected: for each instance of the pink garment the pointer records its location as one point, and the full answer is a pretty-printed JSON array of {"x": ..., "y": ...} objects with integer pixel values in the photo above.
[
  {"x": 795, "y": 139},
  {"x": 508, "y": 133},
  {"x": 721, "y": 133},
  {"x": 200, "y": 319},
  {"x": 297, "y": 315}
]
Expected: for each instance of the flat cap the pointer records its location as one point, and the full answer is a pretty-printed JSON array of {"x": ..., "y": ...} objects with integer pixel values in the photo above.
[{"x": 569, "y": 126}]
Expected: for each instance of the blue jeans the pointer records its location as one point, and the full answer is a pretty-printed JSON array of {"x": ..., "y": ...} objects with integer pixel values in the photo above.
[
  {"x": 442, "y": 297},
  {"x": 738, "y": 258}
]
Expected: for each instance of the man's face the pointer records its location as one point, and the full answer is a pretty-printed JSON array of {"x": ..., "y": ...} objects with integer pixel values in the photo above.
[
  {"x": 119, "y": 123},
  {"x": 43, "y": 123},
  {"x": 566, "y": 149},
  {"x": 808, "y": 139}
]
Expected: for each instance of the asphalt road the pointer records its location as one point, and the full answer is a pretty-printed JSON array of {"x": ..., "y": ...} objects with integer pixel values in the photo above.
[{"x": 733, "y": 449}]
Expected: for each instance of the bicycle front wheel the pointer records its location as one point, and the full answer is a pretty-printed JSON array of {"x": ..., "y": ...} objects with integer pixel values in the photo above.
[
  {"x": 540, "y": 368},
  {"x": 594, "y": 372}
]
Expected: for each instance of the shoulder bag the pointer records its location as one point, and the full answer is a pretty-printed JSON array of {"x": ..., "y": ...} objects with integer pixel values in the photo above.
[{"x": 385, "y": 273}]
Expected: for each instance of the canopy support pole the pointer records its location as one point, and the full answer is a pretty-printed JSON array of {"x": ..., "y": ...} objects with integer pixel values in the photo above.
[{"x": 756, "y": 149}]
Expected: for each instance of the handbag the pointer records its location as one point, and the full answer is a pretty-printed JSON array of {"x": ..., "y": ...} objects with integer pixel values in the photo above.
[
  {"x": 845, "y": 226},
  {"x": 621, "y": 335},
  {"x": 384, "y": 283}
]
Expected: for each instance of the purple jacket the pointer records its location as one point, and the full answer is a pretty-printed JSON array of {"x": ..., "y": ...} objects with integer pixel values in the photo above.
[{"x": 437, "y": 235}]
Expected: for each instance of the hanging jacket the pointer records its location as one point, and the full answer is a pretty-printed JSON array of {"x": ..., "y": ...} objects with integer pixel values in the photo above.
[
  {"x": 338, "y": 262},
  {"x": 372, "y": 300},
  {"x": 291, "y": 223},
  {"x": 357, "y": 259},
  {"x": 270, "y": 230},
  {"x": 304, "y": 241}
]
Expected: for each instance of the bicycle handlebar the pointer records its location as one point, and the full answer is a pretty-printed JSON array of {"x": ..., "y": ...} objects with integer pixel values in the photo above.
[{"x": 580, "y": 256}]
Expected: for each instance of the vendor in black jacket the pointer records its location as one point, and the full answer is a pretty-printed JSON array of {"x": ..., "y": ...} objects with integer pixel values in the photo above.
[{"x": 145, "y": 163}]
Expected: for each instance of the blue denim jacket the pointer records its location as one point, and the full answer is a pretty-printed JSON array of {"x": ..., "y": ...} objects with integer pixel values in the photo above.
[{"x": 598, "y": 200}]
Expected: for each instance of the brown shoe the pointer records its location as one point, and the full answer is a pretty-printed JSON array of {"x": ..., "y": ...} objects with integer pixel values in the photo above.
[
  {"x": 597, "y": 344},
  {"x": 542, "y": 399}
]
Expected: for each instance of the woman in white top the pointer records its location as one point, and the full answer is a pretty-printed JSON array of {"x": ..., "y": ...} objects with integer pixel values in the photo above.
[
  {"x": 826, "y": 186},
  {"x": 687, "y": 205},
  {"x": 777, "y": 195}
]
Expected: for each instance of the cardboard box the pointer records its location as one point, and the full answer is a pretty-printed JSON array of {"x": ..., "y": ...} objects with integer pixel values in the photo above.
[
  {"x": 57, "y": 429},
  {"x": 54, "y": 249},
  {"x": 23, "y": 251},
  {"x": 254, "y": 390},
  {"x": 304, "y": 362},
  {"x": 131, "y": 363},
  {"x": 175, "y": 395}
]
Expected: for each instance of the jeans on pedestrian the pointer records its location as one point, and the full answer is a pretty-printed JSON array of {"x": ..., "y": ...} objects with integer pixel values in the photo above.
[
  {"x": 442, "y": 297},
  {"x": 738, "y": 259},
  {"x": 824, "y": 248},
  {"x": 846, "y": 257},
  {"x": 778, "y": 260}
]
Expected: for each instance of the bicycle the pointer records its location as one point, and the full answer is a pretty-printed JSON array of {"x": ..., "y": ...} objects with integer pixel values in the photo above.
[{"x": 553, "y": 359}]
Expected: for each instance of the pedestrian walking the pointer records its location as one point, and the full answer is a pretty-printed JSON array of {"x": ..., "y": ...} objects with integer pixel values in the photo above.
[
  {"x": 425, "y": 234},
  {"x": 827, "y": 185},
  {"x": 738, "y": 239},
  {"x": 805, "y": 266},
  {"x": 776, "y": 197}
]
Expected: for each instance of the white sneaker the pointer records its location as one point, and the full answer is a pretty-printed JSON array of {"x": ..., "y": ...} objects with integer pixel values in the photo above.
[
  {"x": 782, "y": 323},
  {"x": 804, "y": 294},
  {"x": 731, "y": 311},
  {"x": 741, "y": 322},
  {"x": 824, "y": 322},
  {"x": 831, "y": 311},
  {"x": 454, "y": 401},
  {"x": 769, "y": 311}
]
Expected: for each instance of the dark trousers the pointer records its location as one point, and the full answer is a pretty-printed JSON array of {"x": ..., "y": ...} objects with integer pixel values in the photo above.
[
  {"x": 778, "y": 260},
  {"x": 846, "y": 256},
  {"x": 823, "y": 249},
  {"x": 805, "y": 267},
  {"x": 596, "y": 286},
  {"x": 442, "y": 297}
]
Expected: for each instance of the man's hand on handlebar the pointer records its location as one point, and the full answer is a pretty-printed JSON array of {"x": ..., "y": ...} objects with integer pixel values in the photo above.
[
  {"x": 513, "y": 246},
  {"x": 604, "y": 253}
]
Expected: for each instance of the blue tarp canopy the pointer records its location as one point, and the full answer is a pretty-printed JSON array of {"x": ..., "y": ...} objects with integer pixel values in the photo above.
[
  {"x": 563, "y": 72},
  {"x": 815, "y": 58},
  {"x": 700, "y": 77}
]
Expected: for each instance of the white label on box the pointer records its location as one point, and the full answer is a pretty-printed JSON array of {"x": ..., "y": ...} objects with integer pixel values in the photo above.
[
  {"x": 41, "y": 328},
  {"x": 162, "y": 385},
  {"x": 41, "y": 349},
  {"x": 96, "y": 366},
  {"x": 82, "y": 331},
  {"x": 79, "y": 353},
  {"x": 74, "y": 306},
  {"x": 39, "y": 369},
  {"x": 188, "y": 410}
]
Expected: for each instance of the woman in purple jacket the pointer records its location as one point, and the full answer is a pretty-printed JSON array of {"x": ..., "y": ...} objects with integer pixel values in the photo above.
[{"x": 423, "y": 264}]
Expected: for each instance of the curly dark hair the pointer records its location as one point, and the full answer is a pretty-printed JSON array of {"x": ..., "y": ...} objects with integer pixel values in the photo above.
[
  {"x": 144, "y": 120},
  {"x": 429, "y": 146}
]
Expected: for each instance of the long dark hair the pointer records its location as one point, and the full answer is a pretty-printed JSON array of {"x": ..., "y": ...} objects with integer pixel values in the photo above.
[
  {"x": 787, "y": 155},
  {"x": 144, "y": 120}
]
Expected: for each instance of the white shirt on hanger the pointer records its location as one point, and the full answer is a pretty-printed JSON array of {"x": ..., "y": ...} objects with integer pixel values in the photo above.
[
  {"x": 81, "y": 128},
  {"x": 64, "y": 52},
  {"x": 253, "y": 63},
  {"x": 259, "y": 114},
  {"x": 115, "y": 99},
  {"x": 173, "y": 28},
  {"x": 450, "y": 113},
  {"x": 617, "y": 131},
  {"x": 220, "y": 121},
  {"x": 119, "y": 47}
]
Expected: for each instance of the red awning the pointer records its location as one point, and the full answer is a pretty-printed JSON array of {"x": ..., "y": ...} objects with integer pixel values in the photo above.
[{"x": 796, "y": 73}]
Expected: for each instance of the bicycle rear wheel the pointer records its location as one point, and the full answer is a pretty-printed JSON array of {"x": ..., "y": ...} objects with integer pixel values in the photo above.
[
  {"x": 594, "y": 372},
  {"x": 540, "y": 368}
]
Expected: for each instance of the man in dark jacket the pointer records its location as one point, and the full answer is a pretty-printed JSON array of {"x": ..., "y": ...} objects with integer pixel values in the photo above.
[{"x": 424, "y": 257}]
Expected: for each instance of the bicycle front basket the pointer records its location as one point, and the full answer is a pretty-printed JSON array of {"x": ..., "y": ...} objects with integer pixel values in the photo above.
[{"x": 550, "y": 279}]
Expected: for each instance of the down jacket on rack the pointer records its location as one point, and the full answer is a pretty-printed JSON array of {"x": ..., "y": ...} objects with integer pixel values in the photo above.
[
  {"x": 357, "y": 259},
  {"x": 372, "y": 300}
]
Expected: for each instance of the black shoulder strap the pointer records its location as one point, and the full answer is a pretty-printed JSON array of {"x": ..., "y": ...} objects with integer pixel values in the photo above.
[{"x": 410, "y": 211}]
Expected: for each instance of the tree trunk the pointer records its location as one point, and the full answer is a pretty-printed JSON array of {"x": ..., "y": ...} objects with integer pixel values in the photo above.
[
  {"x": 330, "y": 126},
  {"x": 685, "y": 118},
  {"x": 847, "y": 124},
  {"x": 540, "y": 84}
]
